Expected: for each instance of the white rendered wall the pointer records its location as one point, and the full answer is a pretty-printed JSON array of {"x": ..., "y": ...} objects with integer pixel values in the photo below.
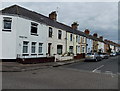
[
  {"x": 24, "y": 30},
  {"x": 55, "y": 41},
  {"x": 112, "y": 48},
  {"x": 0, "y": 37},
  {"x": 101, "y": 46},
  {"x": 9, "y": 41}
]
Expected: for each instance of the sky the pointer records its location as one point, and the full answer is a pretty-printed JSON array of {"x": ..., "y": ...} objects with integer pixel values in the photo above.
[{"x": 98, "y": 17}]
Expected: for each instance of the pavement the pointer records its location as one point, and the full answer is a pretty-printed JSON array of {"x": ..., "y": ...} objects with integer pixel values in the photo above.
[{"x": 18, "y": 67}]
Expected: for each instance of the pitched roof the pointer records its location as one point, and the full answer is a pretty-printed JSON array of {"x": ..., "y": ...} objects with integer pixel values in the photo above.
[
  {"x": 22, "y": 12},
  {"x": 111, "y": 43}
]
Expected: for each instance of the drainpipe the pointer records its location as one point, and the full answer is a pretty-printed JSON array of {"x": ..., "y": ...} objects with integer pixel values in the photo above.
[
  {"x": 86, "y": 44},
  {"x": 66, "y": 41}
]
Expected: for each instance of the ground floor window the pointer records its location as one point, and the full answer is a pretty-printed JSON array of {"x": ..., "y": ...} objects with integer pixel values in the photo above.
[
  {"x": 40, "y": 48},
  {"x": 59, "y": 49},
  {"x": 71, "y": 49},
  {"x": 88, "y": 50},
  {"x": 33, "y": 47},
  {"x": 77, "y": 49},
  {"x": 25, "y": 46},
  {"x": 83, "y": 49}
]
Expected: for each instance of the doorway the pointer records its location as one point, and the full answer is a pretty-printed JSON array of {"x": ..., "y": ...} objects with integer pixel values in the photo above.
[{"x": 49, "y": 49}]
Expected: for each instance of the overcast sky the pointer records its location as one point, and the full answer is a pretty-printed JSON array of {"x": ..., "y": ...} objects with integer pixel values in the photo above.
[{"x": 98, "y": 17}]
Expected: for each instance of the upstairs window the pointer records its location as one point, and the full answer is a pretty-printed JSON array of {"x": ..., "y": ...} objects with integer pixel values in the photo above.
[
  {"x": 7, "y": 24},
  {"x": 71, "y": 37},
  {"x": 82, "y": 39},
  {"x": 59, "y": 34},
  {"x": 76, "y": 38},
  {"x": 34, "y": 28},
  {"x": 50, "y": 32}
]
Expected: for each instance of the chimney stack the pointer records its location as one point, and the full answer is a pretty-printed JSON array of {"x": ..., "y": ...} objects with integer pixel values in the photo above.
[
  {"x": 53, "y": 15},
  {"x": 87, "y": 31},
  {"x": 95, "y": 35},
  {"x": 101, "y": 37},
  {"x": 75, "y": 25}
]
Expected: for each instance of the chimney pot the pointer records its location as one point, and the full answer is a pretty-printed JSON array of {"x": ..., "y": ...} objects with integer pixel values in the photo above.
[
  {"x": 75, "y": 25},
  {"x": 101, "y": 37},
  {"x": 53, "y": 15},
  {"x": 95, "y": 35},
  {"x": 87, "y": 31}
]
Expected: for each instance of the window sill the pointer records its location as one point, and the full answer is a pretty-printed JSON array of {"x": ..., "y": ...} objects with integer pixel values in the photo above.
[
  {"x": 59, "y": 54},
  {"x": 7, "y": 30},
  {"x": 40, "y": 54},
  {"x": 33, "y": 54},
  {"x": 25, "y": 54},
  {"x": 34, "y": 34},
  {"x": 49, "y": 37}
]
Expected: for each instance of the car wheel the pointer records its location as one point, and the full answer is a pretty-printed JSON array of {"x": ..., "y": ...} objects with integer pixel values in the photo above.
[{"x": 96, "y": 59}]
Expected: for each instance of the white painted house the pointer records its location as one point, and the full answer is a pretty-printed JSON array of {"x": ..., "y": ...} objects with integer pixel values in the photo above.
[
  {"x": 0, "y": 39},
  {"x": 27, "y": 35},
  {"x": 31, "y": 37}
]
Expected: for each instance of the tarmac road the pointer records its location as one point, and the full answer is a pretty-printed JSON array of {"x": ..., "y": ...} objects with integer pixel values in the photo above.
[
  {"x": 105, "y": 66},
  {"x": 74, "y": 76}
]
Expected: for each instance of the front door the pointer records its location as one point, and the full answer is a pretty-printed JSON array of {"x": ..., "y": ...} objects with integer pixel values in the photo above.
[{"x": 49, "y": 48}]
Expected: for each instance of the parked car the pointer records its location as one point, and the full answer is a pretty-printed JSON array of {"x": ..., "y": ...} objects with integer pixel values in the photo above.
[
  {"x": 104, "y": 55},
  {"x": 118, "y": 53},
  {"x": 93, "y": 56},
  {"x": 113, "y": 54}
]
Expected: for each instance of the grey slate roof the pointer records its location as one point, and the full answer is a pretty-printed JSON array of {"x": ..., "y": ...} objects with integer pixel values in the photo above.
[{"x": 22, "y": 12}]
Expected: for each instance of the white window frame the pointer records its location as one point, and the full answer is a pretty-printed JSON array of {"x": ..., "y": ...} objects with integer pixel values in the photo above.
[
  {"x": 25, "y": 46},
  {"x": 76, "y": 38},
  {"x": 33, "y": 46},
  {"x": 40, "y": 46},
  {"x": 61, "y": 50},
  {"x": 71, "y": 37},
  {"x": 35, "y": 25},
  {"x": 59, "y": 33},
  {"x": 50, "y": 32},
  {"x": 83, "y": 51},
  {"x": 7, "y": 19}
]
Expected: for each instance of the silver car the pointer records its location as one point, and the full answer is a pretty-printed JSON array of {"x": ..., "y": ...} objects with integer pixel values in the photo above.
[
  {"x": 93, "y": 56},
  {"x": 113, "y": 54},
  {"x": 104, "y": 55}
]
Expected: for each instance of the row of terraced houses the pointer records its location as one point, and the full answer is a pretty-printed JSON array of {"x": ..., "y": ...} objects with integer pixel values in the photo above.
[{"x": 27, "y": 36}]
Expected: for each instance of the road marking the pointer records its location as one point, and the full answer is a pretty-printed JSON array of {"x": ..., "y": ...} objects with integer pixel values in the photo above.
[
  {"x": 110, "y": 72},
  {"x": 97, "y": 68}
]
